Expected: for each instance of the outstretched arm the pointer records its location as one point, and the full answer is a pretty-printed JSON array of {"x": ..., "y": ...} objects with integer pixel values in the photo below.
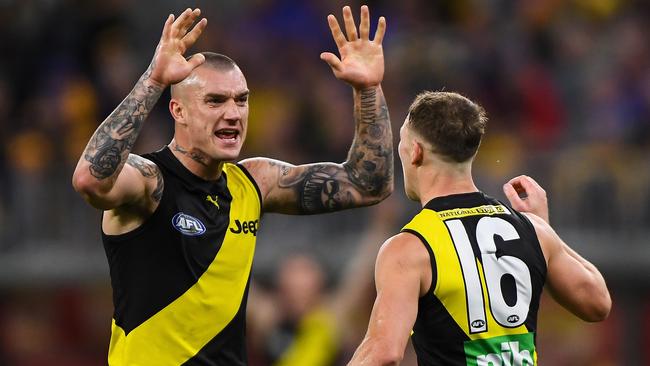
[
  {"x": 106, "y": 176},
  {"x": 366, "y": 177}
]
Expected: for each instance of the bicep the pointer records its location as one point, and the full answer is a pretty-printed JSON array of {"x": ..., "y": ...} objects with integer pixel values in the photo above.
[
  {"x": 305, "y": 189},
  {"x": 398, "y": 276},
  {"x": 394, "y": 311}
]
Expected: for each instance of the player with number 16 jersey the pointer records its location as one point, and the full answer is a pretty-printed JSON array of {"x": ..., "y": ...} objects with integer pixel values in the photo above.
[
  {"x": 488, "y": 272},
  {"x": 465, "y": 275}
]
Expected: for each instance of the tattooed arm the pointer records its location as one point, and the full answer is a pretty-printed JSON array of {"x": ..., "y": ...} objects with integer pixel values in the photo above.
[
  {"x": 366, "y": 177},
  {"x": 101, "y": 176},
  {"x": 107, "y": 176}
]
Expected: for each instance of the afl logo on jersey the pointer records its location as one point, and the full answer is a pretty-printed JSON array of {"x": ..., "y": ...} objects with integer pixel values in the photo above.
[
  {"x": 187, "y": 224},
  {"x": 513, "y": 319},
  {"x": 478, "y": 323}
]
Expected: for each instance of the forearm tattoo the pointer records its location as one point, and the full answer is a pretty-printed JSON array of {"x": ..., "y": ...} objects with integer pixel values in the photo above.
[
  {"x": 364, "y": 178},
  {"x": 113, "y": 140},
  {"x": 370, "y": 160},
  {"x": 148, "y": 170}
]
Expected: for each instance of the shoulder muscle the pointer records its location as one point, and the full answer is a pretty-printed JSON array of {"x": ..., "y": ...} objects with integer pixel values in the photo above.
[{"x": 404, "y": 256}]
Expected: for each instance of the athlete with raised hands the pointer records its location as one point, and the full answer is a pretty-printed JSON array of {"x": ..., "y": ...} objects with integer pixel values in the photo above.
[{"x": 179, "y": 225}]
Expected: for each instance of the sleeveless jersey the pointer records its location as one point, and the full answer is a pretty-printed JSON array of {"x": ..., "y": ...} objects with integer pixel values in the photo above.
[
  {"x": 180, "y": 280},
  {"x": 488, "y": 272}
]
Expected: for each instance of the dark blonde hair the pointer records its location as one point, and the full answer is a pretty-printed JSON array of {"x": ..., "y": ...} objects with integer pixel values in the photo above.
[{"x": 451, "y": 123}]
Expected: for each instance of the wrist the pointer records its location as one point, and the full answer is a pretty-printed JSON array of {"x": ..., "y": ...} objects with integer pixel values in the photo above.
[
  {"x": 150, "y": 78},
  {"x": 364, "y": 88},
  {"x": 150, "y": 82}
]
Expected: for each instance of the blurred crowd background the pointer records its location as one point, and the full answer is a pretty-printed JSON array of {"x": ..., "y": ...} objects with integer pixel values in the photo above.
[{"x": 566, "y": 85}]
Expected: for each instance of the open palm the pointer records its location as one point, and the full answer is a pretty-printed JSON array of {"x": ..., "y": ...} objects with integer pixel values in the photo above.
[
  {"x": 362, "y": 60},
  {"x": 169, "y": 66}
]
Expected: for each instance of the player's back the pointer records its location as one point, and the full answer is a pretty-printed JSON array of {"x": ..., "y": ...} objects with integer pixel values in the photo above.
[{"x": 488, "y": 272}]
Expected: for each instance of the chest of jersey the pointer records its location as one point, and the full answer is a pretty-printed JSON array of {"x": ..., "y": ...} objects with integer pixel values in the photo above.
[{"x": 181, "y": 279}]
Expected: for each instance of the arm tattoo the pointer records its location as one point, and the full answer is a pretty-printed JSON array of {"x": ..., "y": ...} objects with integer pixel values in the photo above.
[
  {"x": 322, "y": 192},
  {"x": 284, "y": 168},
  {"x": 370, "y": 161},
  {"x": 148, "y": 170},
  {"x": 364, "y": 178},
  {"x": 113, "y": 140},
  {"x": 318, "y": 187}
]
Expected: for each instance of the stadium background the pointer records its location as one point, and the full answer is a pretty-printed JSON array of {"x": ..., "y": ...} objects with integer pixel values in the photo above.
[{"x": 566, "y": 85}]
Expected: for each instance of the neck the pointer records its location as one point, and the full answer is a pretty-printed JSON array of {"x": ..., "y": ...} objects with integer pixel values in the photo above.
[
  {"x": 197, "y": 162},
  {"x": 434, "y": 183}
]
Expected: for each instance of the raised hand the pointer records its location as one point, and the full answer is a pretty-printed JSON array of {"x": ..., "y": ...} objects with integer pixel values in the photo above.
[
  {"x": 362, "y": 60},
  {"x": 526, "y": 195},
  {"x": 169, "y": 66}
]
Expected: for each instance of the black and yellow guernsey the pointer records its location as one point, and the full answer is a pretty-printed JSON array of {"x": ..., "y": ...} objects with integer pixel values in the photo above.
[
  {"x": 488, "y": 271},
  {"x": 180, "y": 280}
]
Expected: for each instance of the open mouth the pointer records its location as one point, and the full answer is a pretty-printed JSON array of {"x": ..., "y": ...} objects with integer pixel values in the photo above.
[{"x": 227, "y": 134}]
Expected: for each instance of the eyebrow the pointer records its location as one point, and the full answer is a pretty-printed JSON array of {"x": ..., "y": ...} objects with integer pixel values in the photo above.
[{"x": 224, "y": 96}]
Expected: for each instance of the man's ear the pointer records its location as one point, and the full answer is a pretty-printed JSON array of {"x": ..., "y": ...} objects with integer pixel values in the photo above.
[
  {"x": 177, "y": 111},
  {"x": 417, "y": 153}
]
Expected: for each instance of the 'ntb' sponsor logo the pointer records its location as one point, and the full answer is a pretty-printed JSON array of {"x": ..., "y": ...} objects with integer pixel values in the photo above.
[
  {"x": 510, "y": 350},
  {"x": 188, "y": 225},
  {"x": 245, "y": 227},
  {"x": 510, "y": 355}
]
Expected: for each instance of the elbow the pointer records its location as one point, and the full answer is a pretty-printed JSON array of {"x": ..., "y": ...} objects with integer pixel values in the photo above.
[
  {"x": 389, "y": 187},
  {"x": 595, "y": 305},
  {"x": 392, "y": 361},
  {"x": 90, "y": 189},
  {"x": 378, "y": 351},
  {"x": 381, "y": 192},
  {"x": 384, "y": 193},
  {"x": 371, "y": 187},
  {"x": 84, "y": 183},
  {"x": 390, "y": 358},
  {"x": 388, "y": 354},
  {"x": 81, "y": 182},
  {"x": 600, "y": 308}
]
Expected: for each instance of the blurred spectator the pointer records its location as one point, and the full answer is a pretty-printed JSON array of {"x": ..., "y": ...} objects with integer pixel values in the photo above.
[{"x": 300, "y": 321}]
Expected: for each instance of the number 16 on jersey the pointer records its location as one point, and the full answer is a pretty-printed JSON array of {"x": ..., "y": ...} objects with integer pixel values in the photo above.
[{"x": 494, "y": 268}]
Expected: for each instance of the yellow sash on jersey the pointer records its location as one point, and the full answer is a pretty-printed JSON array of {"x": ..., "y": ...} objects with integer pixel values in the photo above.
[{"x": 179, "y": 331}]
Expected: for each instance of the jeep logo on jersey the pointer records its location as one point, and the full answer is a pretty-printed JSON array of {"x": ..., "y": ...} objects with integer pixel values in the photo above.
[
  {"x": 245, "y": 227},
  {"x": 187, "y": 224},
  {"x": 513, "y": 319},
  {"x": 478, "y": 324}
]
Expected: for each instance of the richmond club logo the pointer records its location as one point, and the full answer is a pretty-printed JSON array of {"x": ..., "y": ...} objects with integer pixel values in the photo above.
[{"x": 187, "y": 224}]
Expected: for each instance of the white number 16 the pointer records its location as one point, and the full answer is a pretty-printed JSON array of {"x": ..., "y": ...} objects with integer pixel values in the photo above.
[{"x": 494, "y": 268}]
